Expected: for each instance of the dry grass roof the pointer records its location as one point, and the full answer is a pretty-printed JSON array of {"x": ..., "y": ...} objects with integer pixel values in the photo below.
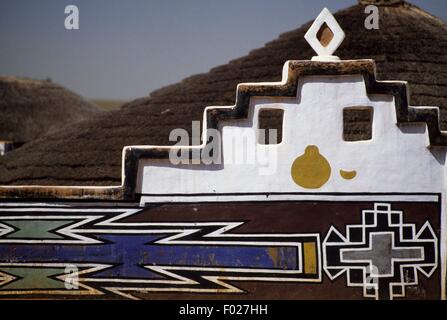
[{"x": 30, "y": 109}]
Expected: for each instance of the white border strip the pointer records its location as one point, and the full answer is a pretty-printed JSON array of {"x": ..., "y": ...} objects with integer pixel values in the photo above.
[{"x": 285, "y": 197}]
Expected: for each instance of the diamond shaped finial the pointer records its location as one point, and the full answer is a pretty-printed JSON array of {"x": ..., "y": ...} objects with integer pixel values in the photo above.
[{"x": 325, "y": 36}]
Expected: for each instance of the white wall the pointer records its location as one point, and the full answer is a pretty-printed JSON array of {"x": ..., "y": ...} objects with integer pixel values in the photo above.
[{"x": 393, "y": 161}]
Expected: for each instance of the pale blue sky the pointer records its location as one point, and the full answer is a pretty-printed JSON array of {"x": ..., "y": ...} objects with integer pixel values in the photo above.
[{"x": 127, "y": 48}]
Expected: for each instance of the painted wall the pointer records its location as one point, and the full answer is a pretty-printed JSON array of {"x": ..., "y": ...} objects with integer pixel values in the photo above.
[
  {"x": 234, "y": 249},
  {"x": 397, "y": 159},
  {"x": 333, "y": 219}
]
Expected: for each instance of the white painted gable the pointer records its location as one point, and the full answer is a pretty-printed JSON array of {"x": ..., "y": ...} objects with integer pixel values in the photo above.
[{"x": 397, "y": 159}]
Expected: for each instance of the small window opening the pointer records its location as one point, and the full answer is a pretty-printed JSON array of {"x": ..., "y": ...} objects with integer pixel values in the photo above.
[
  {"x": 270, "y": 125},
  {"x": 357, "y": 123}
]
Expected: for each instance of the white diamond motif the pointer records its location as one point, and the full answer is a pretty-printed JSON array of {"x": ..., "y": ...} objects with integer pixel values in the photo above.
[{"x": 325, "y": 53}]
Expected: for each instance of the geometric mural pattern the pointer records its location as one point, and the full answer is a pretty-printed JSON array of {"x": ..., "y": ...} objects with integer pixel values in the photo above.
[
  {"x": 106, "y": 256},
  {"x": 382, "y": 255},
  {"x": 101, "y": 252}
]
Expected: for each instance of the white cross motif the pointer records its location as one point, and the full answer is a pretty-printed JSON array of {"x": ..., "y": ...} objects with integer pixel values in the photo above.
[
  {"x": 382, "y": 254},
  {"x": 382, "y": 249}
]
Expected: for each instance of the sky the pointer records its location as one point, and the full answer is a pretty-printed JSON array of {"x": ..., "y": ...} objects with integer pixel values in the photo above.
[{"x": 124, "y": 49}]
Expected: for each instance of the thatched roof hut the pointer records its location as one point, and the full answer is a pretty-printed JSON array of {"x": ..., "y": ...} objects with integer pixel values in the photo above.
[
  {"x": 30, "y": 109},
  {"x": 410, "y": 45}
]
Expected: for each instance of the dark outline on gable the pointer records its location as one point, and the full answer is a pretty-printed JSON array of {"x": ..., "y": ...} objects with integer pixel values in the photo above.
[{"x": 245, "y": 92}]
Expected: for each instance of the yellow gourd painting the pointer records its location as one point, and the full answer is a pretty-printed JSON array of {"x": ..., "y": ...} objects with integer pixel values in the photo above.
[{"x": 311, "y": 170}]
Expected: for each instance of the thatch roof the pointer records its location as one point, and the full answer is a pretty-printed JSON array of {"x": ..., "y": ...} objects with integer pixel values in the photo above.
[
  {"x": 30, "y": 109},
  {"x": 410, "y": 45}
]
